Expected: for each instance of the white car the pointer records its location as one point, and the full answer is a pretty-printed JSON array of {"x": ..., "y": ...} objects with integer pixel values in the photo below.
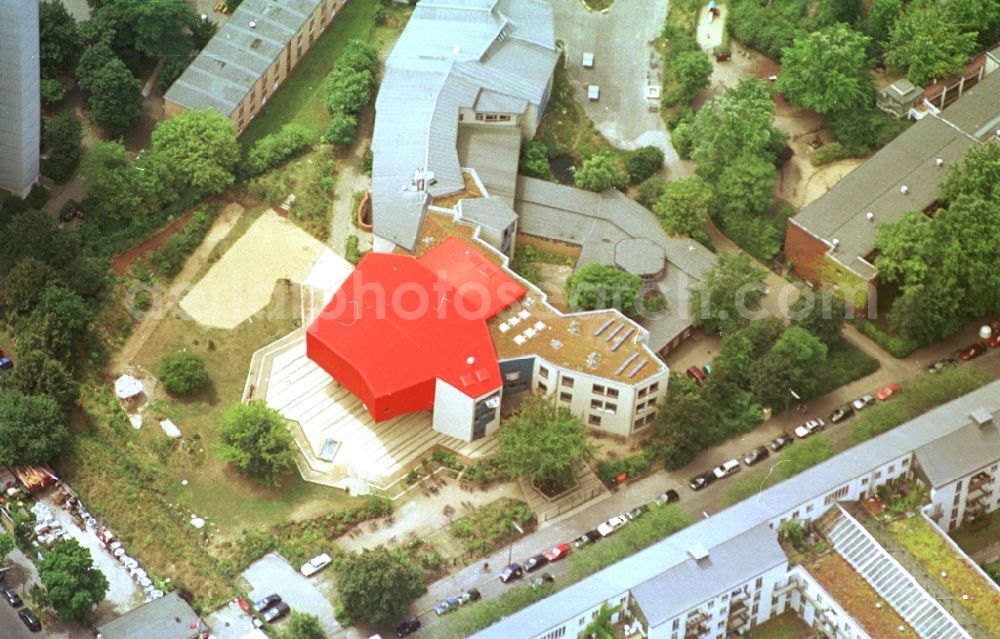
[
  {"x": 809, "y": 428},
  {"x": 863, "y": 402},
  {"x": 314, "y": 565},
  {"x": 726, "y": 468},
  {"x": 611, "y": 525}
]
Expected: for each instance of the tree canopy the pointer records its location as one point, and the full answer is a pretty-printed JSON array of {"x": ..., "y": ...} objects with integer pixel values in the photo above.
[
  {"x": 545, "y": 442},
  {"x": 683, "y": 207},
  {"x": 827, "y": 70},
  {"x": 928, "y": 44},
  {"x": 728, "y": 295},
  {"x": 599, "y": 173},
  {"x": 822, "y": 314},
  {"x": 182, "y": 373},
  {"x": 36, "y": 234},
  {"x": 71, "y": 583},
  {"x": 534, "y": 160},
  {"x": 745, "y": 188},
  {"x": 791, "y": 363},
  {"x": 376, "y": 586},
  {"x": 255, "y": 439},
  {"x": 146, "y": 29},
  {"x": 302, "y": 625},
  {"x": 684, "y": 425},
  {"x": 598, "y": 286},
  {"x": 38, "y": 374},
  {"x": 57, "y": 324},
  {"x": 115, "y": 97},
  {"x": 32, "y": 429},
  {"x": 62, "y": 135},
  {"x": 58, "y": 39},
  {"x": 201, "y": 149},
  {"x": 642, "y": 162},
  {"x": 691, "y": 72}
]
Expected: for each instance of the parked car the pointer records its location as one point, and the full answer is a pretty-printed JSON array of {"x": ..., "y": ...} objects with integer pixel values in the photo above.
[
  {"x": 702, "y": 480},
  {"x": 446, "y": 606},
  {"x": 513, "y": 571},
  {"x": 889, "y": 391},
  {"x": 697, "y": 375},
  {"x": 994, "y": 339},
  {"x": 314, "y": 565},
  {"x": 10, "y": 596},
  {"x": 557, "y": 553},
  {"x": 668, "y": 497},
  {"x": 841, "y": 413},
  {"x": 6, "y": 363},
  {"x": 30, "y": 620},
  {"x": 637, "y": 512},
  {"x": 267, "y": 602},
  {"x": 277, "y": 612},
  {"x": 707, "y": 369},
  {"x": 972, "y": 351},
  {"x": 727, "y": 468},
  {"x": 408, "y": 627},
  {"x": 588, "y": 537},
  {"x": 863, "y": 402},
  {"x": 537, "y": 582},
  {"x": 942, "y": 364},
  {"x": 534, "y": 563},
  {"x": 779, "y": 442},
  {"x": 611, "y": 525},
  {"x": 469, "y": 595},
  {"x": 756, "y": 455},
  {"x": 811, "y": 427}
]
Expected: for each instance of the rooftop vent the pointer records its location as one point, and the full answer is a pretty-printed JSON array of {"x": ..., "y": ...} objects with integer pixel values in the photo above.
[
  {"x": 593, "y": 359},
  {"x": 939, "y": 162},
  {"x": 470, "y": 360},
  {"x": 981, "y": 416},
  {"x": 556, "y": 344},
  {"x": 869, "y": 216},
  {"x": 455, "y": 50},
  {"x": 835, "y": 242},
  {"x": 574, "y": 327},
  {"x": 253, "y": 25},
  {"x": 904, "y": 189},
  {"x": 698, "y": 552}
]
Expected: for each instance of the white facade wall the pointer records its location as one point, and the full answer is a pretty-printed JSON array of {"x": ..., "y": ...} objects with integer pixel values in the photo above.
[
  {"x": 20, "y": 96},
  {"x": 951, "y": 501},
  {"x": 453, "y": 411},
  {"x": 573, "y": 626},
  {"x": 600, "y": 403},
  {"x": 821, "y": 611}
]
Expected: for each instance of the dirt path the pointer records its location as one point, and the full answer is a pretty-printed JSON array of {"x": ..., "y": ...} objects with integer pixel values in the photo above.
[
  {"x": 141, "y": 332},
  {"x": 351, "y": 178},
  {"x": 121, "y": 262}
]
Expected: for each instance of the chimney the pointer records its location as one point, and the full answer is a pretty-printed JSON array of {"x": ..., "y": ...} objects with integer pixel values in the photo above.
[{"x": 981, "y": 416}]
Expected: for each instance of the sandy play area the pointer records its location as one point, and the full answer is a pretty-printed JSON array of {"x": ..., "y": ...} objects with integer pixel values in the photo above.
[{"x": 240, "y": 284}]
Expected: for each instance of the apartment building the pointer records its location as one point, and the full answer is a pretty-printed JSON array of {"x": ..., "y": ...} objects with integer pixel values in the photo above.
[
  {"x": 249, "y": 58},
  {"x": 725, "y": 574},
  {"x": 20, "y": 97}
]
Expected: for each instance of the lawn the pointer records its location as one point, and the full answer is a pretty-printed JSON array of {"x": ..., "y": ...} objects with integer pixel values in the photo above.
[
  {"x": 858, "y": 598},
  {"x": 972, "y": 541},
  {"x": 300, "y": 99},
  {"x": 787, "y": 625},
  {"x": 844, "y": 364},
  {"x": 951, "y": 570}
]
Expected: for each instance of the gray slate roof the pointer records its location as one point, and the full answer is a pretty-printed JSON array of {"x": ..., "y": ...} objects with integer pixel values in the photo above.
[
  {"x": 597, "y": 222},
  {"x": 751, "y": 514},
  {"x": 965, "y": 450},
  {"x": 491, "y": 212},
  {"x": 238, "y": 56},
  {"x": 451, "y": 55},
  {"x": 169, "y": 617},
  {"x": 494, "y": 151},
  {"x": 908, "y": 160}
]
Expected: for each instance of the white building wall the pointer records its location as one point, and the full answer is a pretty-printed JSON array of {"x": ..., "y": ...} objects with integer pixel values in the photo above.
[
  {"x": 951, "y": 501},
  {"x": 453, "y": 411},
  {"x": 821, "y": 611},
  {"x": 573, "y": 626},
  {"x": 20, "y": 96}
]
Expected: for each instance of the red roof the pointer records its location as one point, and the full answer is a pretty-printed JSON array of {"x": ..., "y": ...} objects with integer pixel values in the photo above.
[{"x": 399, "y": 323}]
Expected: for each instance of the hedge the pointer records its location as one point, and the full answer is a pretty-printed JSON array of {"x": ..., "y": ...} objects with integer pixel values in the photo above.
[{"x": 898, "y": 347}]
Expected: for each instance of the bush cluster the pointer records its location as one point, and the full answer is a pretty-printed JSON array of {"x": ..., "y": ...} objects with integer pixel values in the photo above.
[
  {"x": 170, "y": 257},
  {"x": 277, "y": 148},
  {"x": 348, "y": 89},
  {"x": 896, "y": 346},
  {"x": 182, "y": 373}
]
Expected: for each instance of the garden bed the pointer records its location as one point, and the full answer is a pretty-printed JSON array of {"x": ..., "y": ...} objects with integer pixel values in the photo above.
[{"x": 491, "y": 527}]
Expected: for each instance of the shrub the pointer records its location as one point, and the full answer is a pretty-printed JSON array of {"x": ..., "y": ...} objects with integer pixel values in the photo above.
[
  {"x": 354, "y": 255},
  {"x": 52, "y": 92},
  {"x": 636, "y": 467},
  {"x": 642, "y": 163},
  {"x": 342, "y": 131},
  {"x": 37, "y": 197},
  {"x": 170, "y": 257},
  {"x": 598, "y": 174},
  {"x": 535, "y": 160},
  {"x": 182, "y": 373},
  {"x": 650, "y": 190},
  {"x": 837, "y": 151},
  {"x": 682, "y": 140},
  {"x": 896, "y": 346},
  {"x": 277, "y": 148},
  {"x": 61, "y": 136}
]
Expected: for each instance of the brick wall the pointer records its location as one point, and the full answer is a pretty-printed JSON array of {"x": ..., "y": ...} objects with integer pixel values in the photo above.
[{"x": 805, "y": 252}]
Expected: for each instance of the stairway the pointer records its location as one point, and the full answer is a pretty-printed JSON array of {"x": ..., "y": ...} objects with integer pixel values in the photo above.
[{"x": 887, "y": 577}]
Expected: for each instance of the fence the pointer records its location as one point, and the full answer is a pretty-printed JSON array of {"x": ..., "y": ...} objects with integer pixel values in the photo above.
[{"x": 565, "y": 506}]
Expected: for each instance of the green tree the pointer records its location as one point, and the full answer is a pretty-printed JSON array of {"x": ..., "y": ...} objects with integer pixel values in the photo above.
[
  {"x": 38, "y": 374},
  {"x": 7, "y": 544},
  {"x": 822, "y": 314},
  {"x": 534, "y": 160},
  {"x": 342, "y": 130},
  {"x": 52, "y": 92},
  {"x": 302, "y": 625},
  {"x": 684, "y": 425},
  {"x": 805, "y": 455},
  {"x": 115, "y": 97},
  {"x": 827, "y": 70},
  {"x": 649, "y": 191},
  {"x": 976, "y": 176},
  {"x": 746, "y": 187},
  {"x": 202, "y": 31},
  {"x": 62, "y": 135},
  {"x": 111, "y": 181},
  {"x": 58, "y": 39},
  {"x": 71, "y": 583},
  {"x": 254, "y": 438},
  {"x": 348, "y": 90},
  {"x": 182, "y": 373},
  {"x": 376, "y": 586},
  {"x": 201, "y": 148},
  {"x": 737, "y": 123},
  {"x": 172, "y": 69},
  {"x": 21, "y": 288},
  {"x": 642, "y": 163},
  {"x": 728, "y": 295},
  {"x": 94, "y": 58},
  {"x": 927, "y": 45},
  {"x": 32, "y": 429},
  {"x": 599, "y": 173},
  {"x": 791, "y": 364},
  {"x": 36, "y": 234},
  {"x": 881, "y": 17},
  {"x": 683, "y": 208},
  {"x": 57, "y": 325},
  {"x": 147, "y": 29},
  {"x": 691, "y": 71},
  {"x": 902, "y": 246},
  {"x": 277, "y": 148},
  {"x": 598, "y": 286},
  {"x": 545, "y": 442}
]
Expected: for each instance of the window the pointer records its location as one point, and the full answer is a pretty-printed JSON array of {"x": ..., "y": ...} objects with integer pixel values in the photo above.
[
  {"x": 711, "y": 604},
  {"x": 837, "y": 494},
  {"x": 809, "y": 508},
  {"x": 722, "y": 624},
  {"x": 760, "y": 583},
  {"x": 512, "y": 376},
  {"x": 878, "y": 474},
  {"x": 906, "y": 462},
  {"x": 613, "y": 393},
  {"x": 565, "y": 397},
  {"x": 795, "y": 515},
  {"x": 555, "y": 634},
  {"x": 958, "y": 498},
  {"x": 864, "y": 480},
  {"x": 637, "y": 423},
  {"x": 598, "y": 389},
  {"x": 954, "y": 513},
  {"x": 892, "y": 468},
  {"x": 595, "y": 420},
  {"x": 677, "y": 624},
  {"x": 567, "y": 382},
  {"x": 544, "y": 372},
  {"x": 610, "y": 408},
  {"x": 655, "y": 387},
  {"x": 542, "y": 387}
]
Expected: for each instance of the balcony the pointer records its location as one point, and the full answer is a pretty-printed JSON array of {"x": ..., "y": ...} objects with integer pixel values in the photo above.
[
  {"x": 696, "y": 617},
  {"x": 787, "y": 588},
  {"x": 738, "y": 595},
  {"x": 693, "y": 632},
  {"x": 978, "y": 480}
]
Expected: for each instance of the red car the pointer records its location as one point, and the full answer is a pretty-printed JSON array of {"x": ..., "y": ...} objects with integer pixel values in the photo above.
[
  {"x": 697, "y": 375},
  {"x": 994, "y": 339},
  {"x": 889, "y": 391},
  {"x": 557, "y": 553},
  {"x": 972, "y": 351}
]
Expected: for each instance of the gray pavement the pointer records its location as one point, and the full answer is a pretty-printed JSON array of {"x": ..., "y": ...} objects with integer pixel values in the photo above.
[
  {"x": 21, "y": 576},
  {"x": 272, "y": 574}
]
